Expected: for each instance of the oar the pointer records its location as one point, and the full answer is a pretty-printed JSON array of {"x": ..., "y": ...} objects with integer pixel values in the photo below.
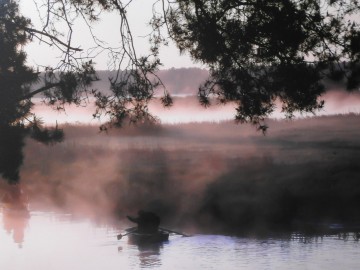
[
  {"x": 129, "y": 231},
  {"x": 171, "y": 231}
]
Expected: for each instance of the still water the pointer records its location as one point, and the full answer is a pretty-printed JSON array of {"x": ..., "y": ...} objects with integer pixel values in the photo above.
[{"x": 43, "y": 241}]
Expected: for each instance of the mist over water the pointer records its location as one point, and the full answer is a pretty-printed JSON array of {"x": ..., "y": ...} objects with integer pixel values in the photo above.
[
  {"x": 199, "y": 172},
  {"x": 202, "y": 177},
  {"x": 186, "y": 109},
  {"x": 287, "y": 200}
]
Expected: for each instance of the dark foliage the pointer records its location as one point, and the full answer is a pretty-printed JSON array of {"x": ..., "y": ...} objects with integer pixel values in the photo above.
[
  {"x": 260, "y": 51},
  {"x": 16, "y": 78},
  {"x": 257, "y": 51},
  {"x": 11, "y": 156}
]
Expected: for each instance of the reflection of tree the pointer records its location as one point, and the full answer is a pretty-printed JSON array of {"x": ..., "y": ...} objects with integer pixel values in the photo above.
[
  {"x": 260, "y": 194},
  {"x": 15, "y": 213}
]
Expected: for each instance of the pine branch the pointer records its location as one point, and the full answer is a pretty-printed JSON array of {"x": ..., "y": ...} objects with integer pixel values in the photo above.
[{"x": 40, "y": 90}]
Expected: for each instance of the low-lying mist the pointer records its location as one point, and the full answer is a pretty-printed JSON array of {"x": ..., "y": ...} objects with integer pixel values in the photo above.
[
  {"x": 187, "y": 109},
  {"x": 203, "y": 176}
]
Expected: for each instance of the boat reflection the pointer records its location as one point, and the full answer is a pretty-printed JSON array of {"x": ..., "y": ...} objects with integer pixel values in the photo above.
[
  {"x": 15, "y": 212},
  {"x": 146, "y": 255},
  {"x": 149, "y": 254}
]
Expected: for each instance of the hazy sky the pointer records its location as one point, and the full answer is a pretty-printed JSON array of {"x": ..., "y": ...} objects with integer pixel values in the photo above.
[{"x": 139, "y": 14}]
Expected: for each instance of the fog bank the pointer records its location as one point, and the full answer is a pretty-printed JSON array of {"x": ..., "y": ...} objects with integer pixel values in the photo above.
[
  {"x": 202, "y": 176},
  {"x": 186, "y": 109}
]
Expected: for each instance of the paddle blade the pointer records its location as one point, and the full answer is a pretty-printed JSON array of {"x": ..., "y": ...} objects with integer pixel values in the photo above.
[{"x": 119, "y": 236}]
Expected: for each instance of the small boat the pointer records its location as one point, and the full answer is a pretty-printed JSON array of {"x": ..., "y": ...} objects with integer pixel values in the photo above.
[{"x": 148, "y": 238}]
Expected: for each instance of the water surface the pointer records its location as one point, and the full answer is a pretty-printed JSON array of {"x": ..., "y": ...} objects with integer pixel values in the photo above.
[{"x": 43, "y": 240}]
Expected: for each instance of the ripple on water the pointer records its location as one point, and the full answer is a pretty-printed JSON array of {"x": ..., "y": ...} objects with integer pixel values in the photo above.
[{"x": 58, "y": 242}]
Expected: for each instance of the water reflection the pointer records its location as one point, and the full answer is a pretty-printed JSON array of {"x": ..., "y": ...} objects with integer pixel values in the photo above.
[
  {"x": 150, "y": 255},
  {"x": 94, "y": 185},
  {"x": 15, "y": 213},
  {"x": 64, "y": 243}
]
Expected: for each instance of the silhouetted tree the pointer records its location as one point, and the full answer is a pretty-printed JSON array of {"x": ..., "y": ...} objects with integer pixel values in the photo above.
[
  {"x": 11, "y": 156},
  {"x": 261, "y": 51},
  {"x": 257, "y": 52},
  {"x": 16, "y": 119},
  {"x": 17, "y": 79}
]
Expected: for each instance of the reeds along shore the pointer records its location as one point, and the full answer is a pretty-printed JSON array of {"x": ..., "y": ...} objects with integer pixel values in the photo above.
[{"x": 206, "y": 175}]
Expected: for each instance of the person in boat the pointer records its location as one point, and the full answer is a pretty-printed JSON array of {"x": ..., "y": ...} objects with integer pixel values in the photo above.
[{"x": 147, "y": 222}]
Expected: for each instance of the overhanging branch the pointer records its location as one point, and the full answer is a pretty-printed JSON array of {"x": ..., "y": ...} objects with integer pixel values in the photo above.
[
  {"x": 40, "y": 90},
  {"x": 31, "y": 30}
]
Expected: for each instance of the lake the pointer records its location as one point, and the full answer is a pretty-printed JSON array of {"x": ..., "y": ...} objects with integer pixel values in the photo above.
[
  {"x": 73, "y": 197},
  {"x": 48, "y": 240}
]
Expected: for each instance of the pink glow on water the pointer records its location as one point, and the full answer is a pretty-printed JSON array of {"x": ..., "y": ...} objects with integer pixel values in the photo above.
[
  {"x": 35, "y": 234},
  {"x": 54, "y": 241},
  {"x": 51, "y": 242}
]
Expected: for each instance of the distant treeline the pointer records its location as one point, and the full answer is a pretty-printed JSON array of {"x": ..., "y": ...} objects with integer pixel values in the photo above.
[{"x": 184, "y": 81}]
